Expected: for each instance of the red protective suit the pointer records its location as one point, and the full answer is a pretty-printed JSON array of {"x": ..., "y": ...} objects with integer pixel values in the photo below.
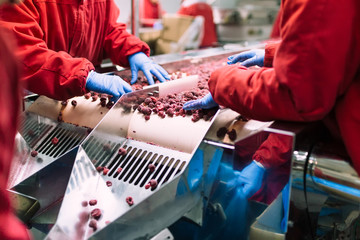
[
  {"x": 150, "y": 12},
  {"x": 315, "y": 70},
  {"x": 10, "y": 227},
  {"x": 60, "y": 41},
  {"x": 274, "y": 152},
  {"x": 205, "y": 10}
]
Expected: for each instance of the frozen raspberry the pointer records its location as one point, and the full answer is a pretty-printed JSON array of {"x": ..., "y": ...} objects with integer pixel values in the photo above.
[
  {"x": 153, "y": 183},
  {"x": 195, "y": 117},
  {"x": 93, "y": 224},
  {"x": 108, "y": 183},
  {"x": 221, "y": 132},
  {"x": 147, "y": 117},
  {"x": 140, "y": 108},
  {"x": 96, "y": 213},
  {"x": 92, "y": 202},
  {"x": 130, "y": 201},
  {"x": 151, "y": 105},
  {"x": 84, "y": 203},
  {"x": 146, "y": 110},
  {"x": 189, "y": 95},
  {"x": 166, "y": 106},
  {"x": 147, "y": 186},
  {"x": 87, "y": 95},
  {"x": 153, "y": 99},
  {"x": 105, "y": 170},
  {"x": 147, "y": 101},
  {"x": 151, "y": 167},
  {"x": 54, "y": 140},
  {"x": 122, "y": 151},
  {"x": 110, "y": 104},
  {"x": 74, "y": 103},
  {"x": 34, "y": 153},
  {"x": 119, "y": 170},
  {"x": 31, "y": 133},
  {"x": 170, "y": 112},
  {"x": 94, "y": 98},
  {"x": 99, "y": 169},
  {"x": 232, "y": 134},
  {"x": 161, "y": 114},
  {"x": 103, "y": 97}
]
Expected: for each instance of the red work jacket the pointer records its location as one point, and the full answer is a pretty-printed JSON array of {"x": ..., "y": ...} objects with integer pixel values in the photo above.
[
  {"x": 149, "y": 13},
  {"x": 274, "y": 152},
  {"x": 205, "y": 10},
  {"x": 10, "y": 227},
  {"x": 60, "y": 41},
  {"x": 312, "y": 72}
]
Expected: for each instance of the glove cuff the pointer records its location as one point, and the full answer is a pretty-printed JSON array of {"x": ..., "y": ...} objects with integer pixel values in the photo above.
[
  {"x": 91, "y": 73},
  {"x": 259, "y": 164}
]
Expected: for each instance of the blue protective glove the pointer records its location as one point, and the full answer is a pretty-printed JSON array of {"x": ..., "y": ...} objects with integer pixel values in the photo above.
[
  {"x": 206, "y": 102},
  {"x": 109, "y": 84},
  {"x": 248, "y": 58},
  {"x": 250, "y": 179},
  {"x": 158, "y": 25},
  {"x": 139, "y": 61}
]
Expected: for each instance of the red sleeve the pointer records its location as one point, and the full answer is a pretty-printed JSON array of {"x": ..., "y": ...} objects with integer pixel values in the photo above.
[
  {"x": 348, "y": 118},
  {"x": 275, "y": 151},
  {"x": 312, "y": 66},
  {"x": 10, "y": 228},
  {"x": 119, "y": 44},
  {"x": 204, "y": 10},
  {"x": 46, "y": 72},
  {"x": 270, "y": 50}
]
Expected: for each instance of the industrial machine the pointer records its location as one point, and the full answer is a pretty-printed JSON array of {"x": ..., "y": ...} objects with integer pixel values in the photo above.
[
  {"x": 244, "y": 20},
  {"x": 190, "y": 191}
]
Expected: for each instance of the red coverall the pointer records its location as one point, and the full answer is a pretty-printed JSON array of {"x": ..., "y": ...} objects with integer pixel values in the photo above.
[
  {"x": 315, "y": 71},
  {"x": 10, "y": 227},
  {"x": 205, "y": 10},
  {"x": 274, "y": 151},
  {"x": 60, "y": 41},
  {"x": 149, "y": 13}
]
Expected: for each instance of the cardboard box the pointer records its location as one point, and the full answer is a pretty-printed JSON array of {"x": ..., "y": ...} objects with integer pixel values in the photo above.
[
  {"x": 174, "y": 26},
  {"x": 164, "y": 46},
  {"x": 149, "y": 34}
]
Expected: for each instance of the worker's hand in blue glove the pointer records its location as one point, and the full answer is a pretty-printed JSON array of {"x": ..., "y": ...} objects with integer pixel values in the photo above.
[
  {"x": 206, "y": 102},
  {"x": 158, "y": 25},
  {"x": 250, "y": 179},
  {"x": 109, "y": 84},
  {"x": 248, "y": 58},
  {"x": 139, "y": 61}
]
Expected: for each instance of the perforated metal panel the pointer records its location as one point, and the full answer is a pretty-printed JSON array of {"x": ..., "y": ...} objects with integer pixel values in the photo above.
[
  {"x": 134, "y": 165},
  {"x": 38, "y": 133}
]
